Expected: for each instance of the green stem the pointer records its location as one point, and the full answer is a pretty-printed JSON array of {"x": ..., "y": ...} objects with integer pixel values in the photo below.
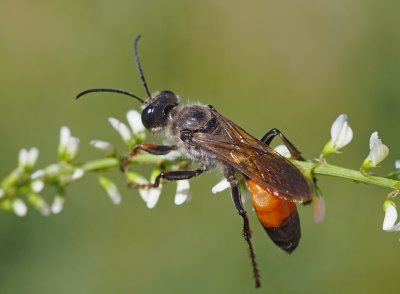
[
  {"x": 317, "y": 169},
  {"x": 341, "y": 172}
]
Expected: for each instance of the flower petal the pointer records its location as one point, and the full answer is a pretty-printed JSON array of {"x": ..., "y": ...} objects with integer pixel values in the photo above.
[
  {"x": 37, "y": 186},
  {"x": 135, "y": 121},
  {"x": 58, "y": 204},
  {"x": 221, "y": 186},
  {"x": 23, "y": 157},
  {"x": 182, "y": 192},
  {"x": 341, "y": 133},
  {"x": 65, "y": 134},
  {"x": 121, "y": 128},
  {"x": 390, "y": 216},
  {"x": 103, "y": 146},
  {"x": 152, "y": 197},
  {"x": 283, "y": 150},
  {"x": 318, "y": 208},
  {"x": 19, "y": 207},
  {"x": 78, "y": 173},
  {"x": 378, "y": 151}
]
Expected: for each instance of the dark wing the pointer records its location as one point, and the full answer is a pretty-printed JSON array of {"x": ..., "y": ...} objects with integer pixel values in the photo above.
[{"x": 256, "y": 160}]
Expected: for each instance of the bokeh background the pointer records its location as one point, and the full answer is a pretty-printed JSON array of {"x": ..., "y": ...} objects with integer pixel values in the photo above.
[{"x": 294, "y": 65}]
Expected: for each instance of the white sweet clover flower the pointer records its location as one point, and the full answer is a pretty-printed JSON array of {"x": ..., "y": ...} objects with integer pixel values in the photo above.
[
  {"x": 397, "y": 164},
  {"x": 39, "y": 203},
  {"x": 389, "y": 222},
  {"x": 378, "y": 152},
  {"x": 69, "y": 145},
  {"x": 149, "y": 195},
  {"x": 182, "y": 192},
  {"x": 104, "y": 146},
  {"x": 153, "y": 194},
  {"x": 134, "y": 119},
  {"x": 122, "y": 129},
  {"x": 283, "y": 150},
  {"x": 111, "y": 189},
  {"x": 58, "y": 204},
  {"x": 318, "y": 207},
  {"x": 341, "y": 135},
  {"x": 77, "y": 174},
  {"x": 37, "y": 186},
  {"x": 38, "y": 174},
  {"x": 27, "y": 158},
  {"x": 220, "y": 186},
  {"x": 19, "y": 207}
]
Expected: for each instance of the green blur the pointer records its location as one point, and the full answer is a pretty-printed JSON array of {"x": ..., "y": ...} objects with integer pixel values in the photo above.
[{"x": 293, "y": 65}]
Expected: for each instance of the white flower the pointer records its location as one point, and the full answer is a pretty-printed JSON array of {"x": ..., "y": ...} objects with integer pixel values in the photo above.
[
  {"x": 52, "y": 169},
  {"x": 37, "y": 186},
  {"x": 221, "y": 186},
  {"x": 19, "y": 207},
  {"x": 69, "y": 146},
  {"x": 111, "y": 189},
  {"x": 390, "y": 217},
  {"x": 103, "y": 146},
  {"x": 149, "y": 195},
  {"x": 28, "y": 158},
  {"x": 378, "y": 152},
  {"x": 38, "y": 174},
  {"x": 397, "y": 164},
  {"x": 341, "y": 135},
  {"x": 153, "y": 195},
  {"x": 134, "y": 119},
  {"x": 39, "y": 203},
  {"x": 318, "y": 208},
  {"x": 121, "y": 128},
  {"x": 58, "y": 204},
  {"x": 77, "y": 174},
  {"x": 182, "y": 192},
  {"x": 283, "y": 150}
]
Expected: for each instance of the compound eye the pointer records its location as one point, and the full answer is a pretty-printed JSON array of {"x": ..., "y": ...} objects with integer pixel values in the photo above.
[{"x": 148, "y": 116}]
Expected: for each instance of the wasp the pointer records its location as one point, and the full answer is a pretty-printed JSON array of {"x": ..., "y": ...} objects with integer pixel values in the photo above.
[{"x": 204, "y": 136}]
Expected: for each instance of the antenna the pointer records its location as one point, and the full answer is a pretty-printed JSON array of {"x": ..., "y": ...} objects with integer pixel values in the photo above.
[
  {"x": 109, "y": 90},
  {"x": 138, "y": 66}
]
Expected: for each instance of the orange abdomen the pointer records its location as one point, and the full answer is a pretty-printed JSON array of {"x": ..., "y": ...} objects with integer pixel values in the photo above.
[{"x": 279, "y": 217}]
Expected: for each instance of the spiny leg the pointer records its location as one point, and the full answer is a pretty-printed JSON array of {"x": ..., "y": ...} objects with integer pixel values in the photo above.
[
  {"x": 270, "y": 135},
  {"x": 246, "y": 225},
  {"x": 170, "y": 176},
  {"x": 149, "y": 148}
]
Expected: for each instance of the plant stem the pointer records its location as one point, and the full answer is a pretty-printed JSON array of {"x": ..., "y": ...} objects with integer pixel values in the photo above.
[
  {"x": 341, "y": 172},
  {"x": 317, "y": 169}
]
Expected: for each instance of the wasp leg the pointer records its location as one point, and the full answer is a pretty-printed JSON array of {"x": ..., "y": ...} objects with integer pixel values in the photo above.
[
  {"x": 246, "y": 225},
  {"x": 149, "y": 148},
  {"x": 170, "y": 176},
  {"x": 270, "y": 135}
]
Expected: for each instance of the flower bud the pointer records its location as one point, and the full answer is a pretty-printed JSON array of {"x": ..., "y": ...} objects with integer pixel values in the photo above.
[
  {"x": 341, "y": 135},
  {"x": 378, "y": 152}
]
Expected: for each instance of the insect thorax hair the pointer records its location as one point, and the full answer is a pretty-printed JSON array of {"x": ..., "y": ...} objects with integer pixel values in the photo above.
[{"x": 193, "y": 116}]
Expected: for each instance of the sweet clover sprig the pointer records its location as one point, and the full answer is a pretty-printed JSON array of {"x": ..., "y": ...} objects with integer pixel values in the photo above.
[{"x": 23, "y": 186}]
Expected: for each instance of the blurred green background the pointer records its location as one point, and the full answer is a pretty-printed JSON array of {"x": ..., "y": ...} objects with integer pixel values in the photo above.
[{"x": 294, "y": 65}]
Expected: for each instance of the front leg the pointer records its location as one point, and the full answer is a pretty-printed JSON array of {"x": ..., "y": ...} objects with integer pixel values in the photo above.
[
  {"x": 246, "y": 225},
  {"x": 149, "y": 148}
]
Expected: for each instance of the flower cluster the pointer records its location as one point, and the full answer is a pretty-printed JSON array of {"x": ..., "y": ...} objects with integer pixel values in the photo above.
[
  {"x": 133, "y": 135},
  {"x": 341, "y": 135},
  {"x": 25, "y": 184}
]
